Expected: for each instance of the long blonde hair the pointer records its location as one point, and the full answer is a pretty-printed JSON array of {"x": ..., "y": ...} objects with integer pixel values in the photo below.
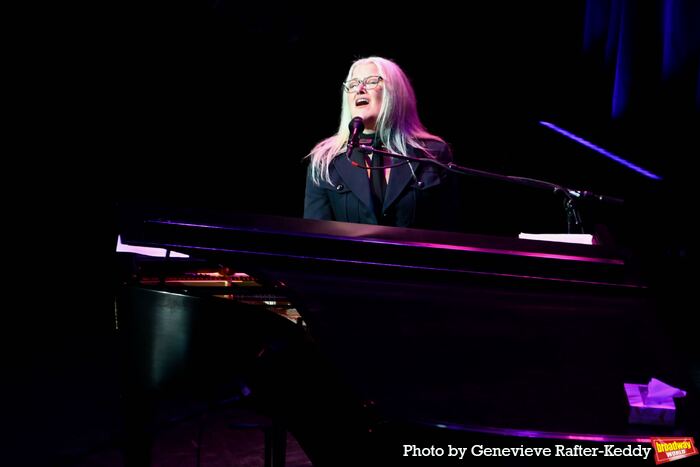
[{"x": 398, "y": 125}]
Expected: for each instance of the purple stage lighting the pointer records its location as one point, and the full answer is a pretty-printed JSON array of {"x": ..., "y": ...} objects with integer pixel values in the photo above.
[{"x": 602, "y": 151}]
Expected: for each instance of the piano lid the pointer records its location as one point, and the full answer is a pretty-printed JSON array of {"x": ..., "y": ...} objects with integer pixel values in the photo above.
[{"x": 273, "y": 238}]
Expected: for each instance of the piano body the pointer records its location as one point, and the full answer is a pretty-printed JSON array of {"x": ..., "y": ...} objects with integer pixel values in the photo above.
[{"x": 443, "y": 331}]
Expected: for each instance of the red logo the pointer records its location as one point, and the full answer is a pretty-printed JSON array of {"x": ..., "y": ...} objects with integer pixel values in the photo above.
[{"x": 671, "y": 449}]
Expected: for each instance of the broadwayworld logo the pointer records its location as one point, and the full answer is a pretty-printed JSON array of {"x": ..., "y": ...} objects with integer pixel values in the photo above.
[{"x": 671, "y": 449}]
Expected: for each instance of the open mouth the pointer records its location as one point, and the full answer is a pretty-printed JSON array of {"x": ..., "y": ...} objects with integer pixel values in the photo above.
[{"x": 361, "y": 101}]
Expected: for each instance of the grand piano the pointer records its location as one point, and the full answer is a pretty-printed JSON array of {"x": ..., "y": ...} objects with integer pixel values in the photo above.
[{"x": 398, "y": 335}]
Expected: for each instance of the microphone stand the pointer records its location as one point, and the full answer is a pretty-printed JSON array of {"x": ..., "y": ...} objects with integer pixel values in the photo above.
[{"x": 573, "y": 216}]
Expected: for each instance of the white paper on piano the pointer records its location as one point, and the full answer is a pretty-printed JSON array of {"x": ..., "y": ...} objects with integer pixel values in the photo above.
[
  {"x": 146, "y": 250},
  {"x": 584, "y": 239}
]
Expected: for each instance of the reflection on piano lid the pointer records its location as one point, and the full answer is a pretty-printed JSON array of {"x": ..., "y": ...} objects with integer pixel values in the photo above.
[
  {"x": 194, "y": 277},
  {"x": 202, "y": 279}
]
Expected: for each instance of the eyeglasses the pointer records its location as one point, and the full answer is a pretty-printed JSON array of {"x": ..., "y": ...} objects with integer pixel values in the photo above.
[{"x": 370, "y": 82}]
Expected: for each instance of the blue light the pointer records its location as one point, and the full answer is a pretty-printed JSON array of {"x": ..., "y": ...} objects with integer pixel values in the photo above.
[{"x": 602, "y": 151}]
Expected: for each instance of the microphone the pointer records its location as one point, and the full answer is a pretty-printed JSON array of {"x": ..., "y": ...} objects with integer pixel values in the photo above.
[{"x": 356, "y": 128}]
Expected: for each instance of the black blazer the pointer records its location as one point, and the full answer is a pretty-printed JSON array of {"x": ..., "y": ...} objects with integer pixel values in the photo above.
[{"x": 425, "y": 197}]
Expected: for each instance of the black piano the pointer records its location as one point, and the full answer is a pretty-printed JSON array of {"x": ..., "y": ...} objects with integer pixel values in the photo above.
[{"x": 392, "y": 336}]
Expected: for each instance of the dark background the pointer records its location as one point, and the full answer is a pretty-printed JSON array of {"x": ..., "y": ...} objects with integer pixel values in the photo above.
[
  {"x": 215, "y": 104},
  {"x": 219, "y": 102}
]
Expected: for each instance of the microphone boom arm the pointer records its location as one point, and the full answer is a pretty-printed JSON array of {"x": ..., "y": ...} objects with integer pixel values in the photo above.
[{"x": 570, "y": 195}]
